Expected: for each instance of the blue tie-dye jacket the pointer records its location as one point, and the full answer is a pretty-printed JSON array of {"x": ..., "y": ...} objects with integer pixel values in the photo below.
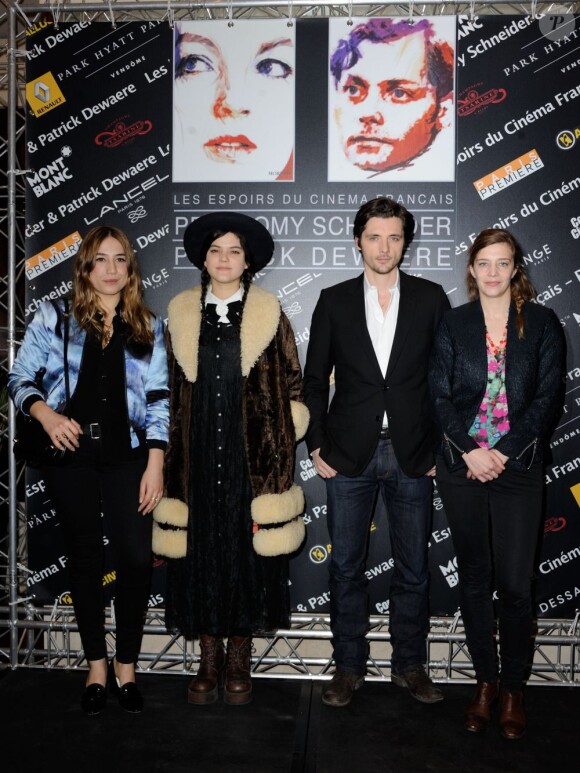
[{"x": 146, "y": 373}]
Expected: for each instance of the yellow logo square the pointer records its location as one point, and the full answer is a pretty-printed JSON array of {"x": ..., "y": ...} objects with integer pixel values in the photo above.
[{"x": 43, "y": 94}]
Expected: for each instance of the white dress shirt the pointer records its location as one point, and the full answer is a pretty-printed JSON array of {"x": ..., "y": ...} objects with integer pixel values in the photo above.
[{"x": 381, "y": 325}]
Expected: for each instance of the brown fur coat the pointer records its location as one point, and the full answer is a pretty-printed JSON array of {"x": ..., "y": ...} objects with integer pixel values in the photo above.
[{"x": 274, "y": 418}]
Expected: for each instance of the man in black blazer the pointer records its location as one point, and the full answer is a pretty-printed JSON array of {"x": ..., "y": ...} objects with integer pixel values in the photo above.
[{"x": 376, "y": 331}]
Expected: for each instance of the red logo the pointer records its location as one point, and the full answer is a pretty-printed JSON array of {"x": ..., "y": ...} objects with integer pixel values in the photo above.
[
  {"x": 472, "y": 101},
  {"x": 120, "y": 133},
  {"x": 554, "y": 524}
]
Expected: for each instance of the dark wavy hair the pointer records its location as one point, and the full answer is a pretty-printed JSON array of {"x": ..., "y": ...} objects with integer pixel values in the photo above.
[
  {"x": 384, "y": 207},
  {"x": 521, "y": 288}
]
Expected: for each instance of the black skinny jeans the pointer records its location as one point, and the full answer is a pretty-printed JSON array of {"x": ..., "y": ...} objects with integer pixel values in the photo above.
[
  {"x": 495, "y": 529},
  {"x": 80, "y": 491}
]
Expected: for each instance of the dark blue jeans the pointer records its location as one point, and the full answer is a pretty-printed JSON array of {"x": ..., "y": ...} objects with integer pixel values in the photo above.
[
  {"x": 495, "y": 529},
  {"x": 350, "y": 509}
]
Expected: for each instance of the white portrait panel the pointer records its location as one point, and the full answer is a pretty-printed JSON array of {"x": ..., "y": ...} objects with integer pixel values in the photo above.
[
  {"x": 391, "y": 106},
  {"x": 233, "y": 101}
]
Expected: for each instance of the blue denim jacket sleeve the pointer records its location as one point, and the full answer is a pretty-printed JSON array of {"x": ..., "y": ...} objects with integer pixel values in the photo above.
[
  {"x": 157, "y": 388},
  {"x": 32, "y": 356}
]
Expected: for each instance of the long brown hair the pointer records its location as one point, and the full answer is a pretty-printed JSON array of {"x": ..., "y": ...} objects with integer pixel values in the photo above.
[
  {"x": 85, "y": 301},
  {"x": 521, "y": 288}
]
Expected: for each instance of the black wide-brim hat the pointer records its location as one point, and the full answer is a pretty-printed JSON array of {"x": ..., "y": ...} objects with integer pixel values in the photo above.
[{"x": 258, "y": 238}]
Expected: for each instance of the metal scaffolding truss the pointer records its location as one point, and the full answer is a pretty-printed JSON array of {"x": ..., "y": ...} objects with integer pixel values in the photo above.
[{"x": 47, "y": 637}]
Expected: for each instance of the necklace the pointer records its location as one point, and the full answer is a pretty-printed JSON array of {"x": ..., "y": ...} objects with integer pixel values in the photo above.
[
  {"x": 107, "y": 334},
  {"x": 498, "y": 348}
]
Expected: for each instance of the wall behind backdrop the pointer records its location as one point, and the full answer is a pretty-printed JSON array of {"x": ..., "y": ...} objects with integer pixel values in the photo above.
[{"x": 137, "y": 126}]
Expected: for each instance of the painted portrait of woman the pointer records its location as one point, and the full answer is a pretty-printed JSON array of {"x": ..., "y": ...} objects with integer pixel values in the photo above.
[{"x": 233, "y": 101}]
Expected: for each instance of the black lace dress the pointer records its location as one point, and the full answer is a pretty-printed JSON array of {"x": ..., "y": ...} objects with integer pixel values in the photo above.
[{"x": 222, "y": 586}]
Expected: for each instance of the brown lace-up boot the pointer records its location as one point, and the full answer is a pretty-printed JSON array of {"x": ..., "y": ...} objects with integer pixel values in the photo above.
[
  {"x": 204, "y": 688},
  {"x": 237, "y": 684}
]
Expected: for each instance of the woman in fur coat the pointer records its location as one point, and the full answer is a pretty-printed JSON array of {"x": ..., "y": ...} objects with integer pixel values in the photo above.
[{"x": 232, "y": 512}]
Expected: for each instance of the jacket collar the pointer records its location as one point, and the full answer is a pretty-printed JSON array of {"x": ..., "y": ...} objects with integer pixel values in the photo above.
[{"x": 260, "y": 320}]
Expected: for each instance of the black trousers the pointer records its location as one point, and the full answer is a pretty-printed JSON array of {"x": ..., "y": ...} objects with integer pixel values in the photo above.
[
  {"x": 495, "y": 529},
  {"x": 94, "y": 497}
]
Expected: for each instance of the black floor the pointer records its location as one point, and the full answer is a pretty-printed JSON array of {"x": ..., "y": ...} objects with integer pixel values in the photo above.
[{"x": 285, "y": 729}]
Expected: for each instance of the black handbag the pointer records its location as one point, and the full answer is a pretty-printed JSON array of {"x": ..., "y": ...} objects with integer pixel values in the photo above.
[{"x": 32, "y": 445}]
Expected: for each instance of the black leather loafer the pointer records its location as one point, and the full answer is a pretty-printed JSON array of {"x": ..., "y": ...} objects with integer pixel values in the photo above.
[
  {"x": 128, "y": 694},
  {"x": 94, "y": 699},
  {"x": 130, "y": 698}
]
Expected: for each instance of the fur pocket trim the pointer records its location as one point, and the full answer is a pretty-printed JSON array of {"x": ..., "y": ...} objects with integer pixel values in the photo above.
[
  {"x": 278, "y": 508},
  {"x": 280, "y": 540},
  {"x": 169, "y": 543},
  {"x": 300, "y": 417},
  {"x": 172, "y": 512}
]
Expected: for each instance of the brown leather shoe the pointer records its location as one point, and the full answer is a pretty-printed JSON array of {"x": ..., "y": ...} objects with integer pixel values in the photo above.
[
  {"x": 204, "y": 688},
  {"x": 419, "y": 685},
  {"x": 341, "y": 687},
  {"x": 512, "y": 718},
  {"x": 478, "y": 712},
  {"x": 238, "y": 684}
]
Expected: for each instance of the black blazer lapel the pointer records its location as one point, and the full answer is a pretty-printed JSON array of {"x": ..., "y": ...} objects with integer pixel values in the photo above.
[{"x": 407, "y": 305}]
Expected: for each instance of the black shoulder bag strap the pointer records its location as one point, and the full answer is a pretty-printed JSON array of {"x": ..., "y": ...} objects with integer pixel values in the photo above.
[
  {"x": 65, "y": 345},
  {"x": 65, "y": 336}
]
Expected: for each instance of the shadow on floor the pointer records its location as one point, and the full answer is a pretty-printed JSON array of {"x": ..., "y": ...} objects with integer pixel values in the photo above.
[{"x": 285, "y": 729}]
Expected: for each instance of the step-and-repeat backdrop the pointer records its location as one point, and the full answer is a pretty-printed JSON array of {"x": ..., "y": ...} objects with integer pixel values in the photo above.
[{"x": 146, "y": 127}]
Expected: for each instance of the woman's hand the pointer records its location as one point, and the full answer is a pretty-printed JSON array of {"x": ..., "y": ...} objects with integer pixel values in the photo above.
[
  {"x": 63, "y": 433},
  {"x": 502, "y": 457},
  {"x": 151, "y": 488},
  {"x": 483, "y": 464}
]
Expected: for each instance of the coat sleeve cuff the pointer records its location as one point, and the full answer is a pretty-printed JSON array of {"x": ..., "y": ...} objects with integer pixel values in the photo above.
[
  {"x": 270, "y": 509},
  {"x": 278, "y": 525},
  {"x": 300, "y": 417},
  {"x": 170, "y": 528},
  {"x": 281, "y": 540}
]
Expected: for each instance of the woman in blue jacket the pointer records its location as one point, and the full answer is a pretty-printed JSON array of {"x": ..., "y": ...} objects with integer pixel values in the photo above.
[
  {"x": 496, "y": 381},
  {"x": 115, "y": 429}
]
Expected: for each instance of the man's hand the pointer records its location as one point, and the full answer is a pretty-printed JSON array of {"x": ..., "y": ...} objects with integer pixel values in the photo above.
[{"x": 323, "y": 469}]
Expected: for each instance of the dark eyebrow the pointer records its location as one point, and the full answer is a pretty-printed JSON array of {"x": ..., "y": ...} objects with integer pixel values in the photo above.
[
  {"x": 400, "y": 82},
  {"x": 356, "y": 79}
]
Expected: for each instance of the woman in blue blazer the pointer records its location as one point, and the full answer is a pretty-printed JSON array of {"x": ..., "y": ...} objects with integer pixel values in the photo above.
[{"x": 495, "y": 380}]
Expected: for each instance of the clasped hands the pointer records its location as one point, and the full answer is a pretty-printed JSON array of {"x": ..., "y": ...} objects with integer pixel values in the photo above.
[{"x": 484, "y": 464}]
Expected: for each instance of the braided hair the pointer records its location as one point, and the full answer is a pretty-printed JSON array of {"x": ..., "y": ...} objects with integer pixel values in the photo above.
[{"x": 246, "y": 278}]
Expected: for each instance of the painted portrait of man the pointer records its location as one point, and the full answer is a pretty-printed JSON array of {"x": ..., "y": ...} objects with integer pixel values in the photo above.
[{"x": 391, "y": 89}]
